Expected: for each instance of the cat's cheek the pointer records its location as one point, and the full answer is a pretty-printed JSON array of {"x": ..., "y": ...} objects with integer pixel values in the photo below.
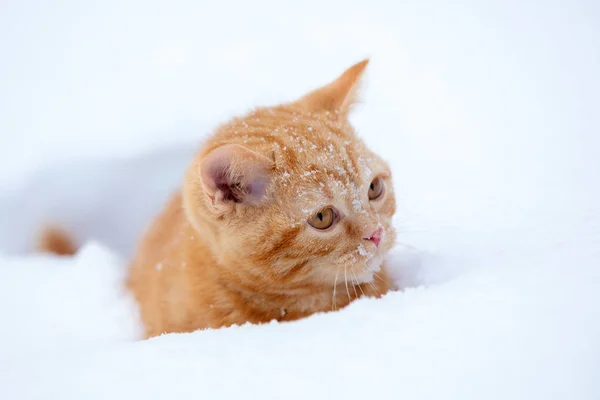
[{"x": 387, "y": 208}]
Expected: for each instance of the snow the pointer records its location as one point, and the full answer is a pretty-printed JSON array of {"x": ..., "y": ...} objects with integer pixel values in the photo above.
[{"x": 486, "y": 112}]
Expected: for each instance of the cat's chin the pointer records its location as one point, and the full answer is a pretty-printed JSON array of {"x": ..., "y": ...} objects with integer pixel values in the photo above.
[{"x": 368, "y": 274}]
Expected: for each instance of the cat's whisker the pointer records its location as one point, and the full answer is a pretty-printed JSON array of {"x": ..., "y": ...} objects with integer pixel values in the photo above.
[
  {"x": 381, "y": 278},
  {"x": 408, "y": 246},
  {"x": 357, "y": 284},
  {"x": 346, "y": 281},
  {"x": 373, "y": 286},
  {"x": 361, "y": 289},
  {"x": 333, "y": 300},
  {"x": 354, "y": 282}
]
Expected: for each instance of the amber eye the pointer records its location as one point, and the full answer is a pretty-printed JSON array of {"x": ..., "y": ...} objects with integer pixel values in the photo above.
[
  {"x": 375, "y": 189},
  {"x": 323, "y": 219}
]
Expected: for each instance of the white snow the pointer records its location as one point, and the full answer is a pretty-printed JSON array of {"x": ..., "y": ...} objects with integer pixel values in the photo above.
[{"x": 486, "y": 111}]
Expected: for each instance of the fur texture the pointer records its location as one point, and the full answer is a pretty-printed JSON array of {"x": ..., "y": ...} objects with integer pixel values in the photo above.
[
  {"x": 55, "y": 240},
  {"x": 237, "y": 243}
]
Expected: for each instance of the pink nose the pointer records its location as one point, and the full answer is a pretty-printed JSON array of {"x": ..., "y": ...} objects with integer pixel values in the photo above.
[{"x": 375, "y": 237}]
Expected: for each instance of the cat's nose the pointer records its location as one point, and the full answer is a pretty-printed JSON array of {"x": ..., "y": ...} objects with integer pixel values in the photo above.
[{"x": 375, "y": 237}]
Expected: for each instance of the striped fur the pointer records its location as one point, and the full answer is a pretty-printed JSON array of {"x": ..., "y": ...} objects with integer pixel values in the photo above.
[{"x": 212, "y": 260}]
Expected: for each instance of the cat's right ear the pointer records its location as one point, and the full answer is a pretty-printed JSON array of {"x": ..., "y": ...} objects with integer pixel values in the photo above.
[
  {"x": 337, "y": 97},
  {"x": 233, "y": 174}
]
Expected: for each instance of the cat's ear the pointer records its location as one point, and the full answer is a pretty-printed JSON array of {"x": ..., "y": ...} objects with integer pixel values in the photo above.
[
  {"x": 234, "y": 174},
  {"x": 338, "y": 96}
]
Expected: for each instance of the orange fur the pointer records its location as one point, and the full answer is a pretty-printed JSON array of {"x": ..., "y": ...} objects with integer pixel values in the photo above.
[
  {"x": 56, "y": 241},
  {"x": 233, "y": 246}
]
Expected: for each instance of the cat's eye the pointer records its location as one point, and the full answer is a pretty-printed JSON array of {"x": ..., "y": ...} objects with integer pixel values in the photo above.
[
  {"x": 375, "y": 189},
  {"x": 322, "y": 219}
]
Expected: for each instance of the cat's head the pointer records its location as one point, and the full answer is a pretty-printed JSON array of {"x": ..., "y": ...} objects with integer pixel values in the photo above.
[{"x": 290, "y": 194}]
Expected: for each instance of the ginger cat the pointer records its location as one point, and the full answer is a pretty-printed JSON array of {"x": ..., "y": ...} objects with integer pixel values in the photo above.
[{"x": 283, "y": 213}]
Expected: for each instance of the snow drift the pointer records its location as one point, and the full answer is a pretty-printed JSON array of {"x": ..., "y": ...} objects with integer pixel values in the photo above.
[{"x": 486, "y": 112}]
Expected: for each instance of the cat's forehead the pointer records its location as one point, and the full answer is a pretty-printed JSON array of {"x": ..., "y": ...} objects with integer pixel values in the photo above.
[
  {"x": 309, "y": 154},
  {"x": 318, "y": 171},
  {"x": 312, "y": 152}
]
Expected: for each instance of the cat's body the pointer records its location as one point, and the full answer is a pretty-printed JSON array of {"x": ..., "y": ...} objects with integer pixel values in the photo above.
[
  {"x": 283, "y": 213},
  {"x": 181, "y": 287}
]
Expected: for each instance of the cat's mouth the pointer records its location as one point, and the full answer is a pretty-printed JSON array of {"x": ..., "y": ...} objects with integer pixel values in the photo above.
[{"x": 364, "y": 262}]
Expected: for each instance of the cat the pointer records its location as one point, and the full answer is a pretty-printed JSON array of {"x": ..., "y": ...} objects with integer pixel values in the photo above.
[{"x": 283, "y": 213}]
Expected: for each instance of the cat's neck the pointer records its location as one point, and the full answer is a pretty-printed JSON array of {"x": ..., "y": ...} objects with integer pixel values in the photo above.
[{"x": 290, "y": 301}]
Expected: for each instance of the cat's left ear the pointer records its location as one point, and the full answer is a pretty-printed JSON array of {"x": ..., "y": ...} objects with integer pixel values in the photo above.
[
  {"x": 338, "y": 96},
  {"x": 234, "y": 174}
]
